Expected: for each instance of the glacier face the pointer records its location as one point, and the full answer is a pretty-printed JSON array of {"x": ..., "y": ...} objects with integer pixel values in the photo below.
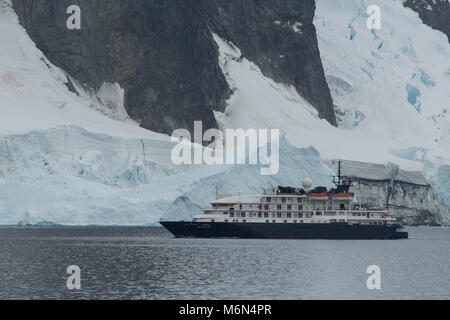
[
  {"x": 408, "y": 194},
  {"x": 67, "y": 175},
  {"x": 411, "y": 204}
]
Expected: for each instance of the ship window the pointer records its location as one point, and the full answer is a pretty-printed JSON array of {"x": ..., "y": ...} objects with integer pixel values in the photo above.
[
  {"x": 274, "y": 221},
  {"x": 244, "y": 221},
  {"x": 266, "y": 207},
  {"x": 259, "y": 214},
  {"x": 267, "y": 221},
  {"x": 300, "y": 208},
  {"x": 301, "y": 221},
  {"x": 231, "y": 214},
  {"x": 226, "y": 220},
  {"x": 283, "y": 199},
  {"x": 279, "y": 207},
  {"x": 300, "y": 215},
  {"x": 266, "y": 214},
  {"x": 342, "y": 206},
  {"x": 242, "y": 214},
  {"x": 289, "y": 215},
  {"x": 279, "y": 214},
  {"x": 269, "y": 199},
  {"x": 285, "y": 221},
  {"x": 212, "y": 220},
  {"x": 289, "y": 207}
]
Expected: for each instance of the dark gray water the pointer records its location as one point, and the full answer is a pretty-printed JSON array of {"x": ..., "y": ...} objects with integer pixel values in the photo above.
[{"x": 147, "y": 263}]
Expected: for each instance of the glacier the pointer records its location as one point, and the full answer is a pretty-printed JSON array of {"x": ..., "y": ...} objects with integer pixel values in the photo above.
[{"x": 70, "y": 176}]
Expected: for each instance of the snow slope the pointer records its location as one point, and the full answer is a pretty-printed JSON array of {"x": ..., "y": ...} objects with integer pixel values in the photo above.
[{"x": 259, "y": 102}]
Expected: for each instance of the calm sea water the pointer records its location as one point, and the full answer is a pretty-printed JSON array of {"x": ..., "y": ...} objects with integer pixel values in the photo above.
[{"x": 147, "y": 263}]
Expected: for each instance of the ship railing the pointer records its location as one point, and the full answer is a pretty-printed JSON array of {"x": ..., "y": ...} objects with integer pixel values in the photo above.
[{"x": 343, "y": 214}]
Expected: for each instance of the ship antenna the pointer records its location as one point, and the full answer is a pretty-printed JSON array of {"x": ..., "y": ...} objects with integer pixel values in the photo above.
[{"x": 339, "y": 172}]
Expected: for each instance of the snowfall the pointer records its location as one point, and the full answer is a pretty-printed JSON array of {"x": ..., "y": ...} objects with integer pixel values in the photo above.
[{"x": 80, "y": 160}]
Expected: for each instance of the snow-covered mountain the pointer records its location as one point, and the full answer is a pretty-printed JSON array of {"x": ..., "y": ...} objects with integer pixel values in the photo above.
[{"x": 69, "y": 153}]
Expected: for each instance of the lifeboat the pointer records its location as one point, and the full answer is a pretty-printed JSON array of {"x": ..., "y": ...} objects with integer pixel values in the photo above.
[
  {"x": 318, "y": 195},
  {"x": 342, "y": 195}
]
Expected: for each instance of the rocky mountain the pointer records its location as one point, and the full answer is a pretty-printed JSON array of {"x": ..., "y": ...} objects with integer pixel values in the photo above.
[
  {"x": 434, "y": 13},
  {"x": 164, "y": 56}
]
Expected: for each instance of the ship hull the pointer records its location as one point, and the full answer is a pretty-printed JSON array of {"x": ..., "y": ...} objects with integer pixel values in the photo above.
[{"x": 330, "y": 231}]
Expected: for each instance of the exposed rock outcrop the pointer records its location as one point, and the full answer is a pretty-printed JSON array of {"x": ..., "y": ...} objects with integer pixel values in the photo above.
[
  {"x": 434, "y": 13},
  {"x": 162, "y": 52}
]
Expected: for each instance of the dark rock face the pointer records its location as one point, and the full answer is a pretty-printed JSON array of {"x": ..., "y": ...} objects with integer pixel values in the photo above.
[
  {"x": 280, "y": 37},
  {"x": 434, "y": 13},
  {"x": 163, "y": 54}
]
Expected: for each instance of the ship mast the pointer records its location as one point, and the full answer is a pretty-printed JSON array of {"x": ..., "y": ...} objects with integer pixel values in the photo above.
[
  {"x": 342, "y": 182},
  {"x": 339, "y": 172},
  {"x": 337, "y": 180}
]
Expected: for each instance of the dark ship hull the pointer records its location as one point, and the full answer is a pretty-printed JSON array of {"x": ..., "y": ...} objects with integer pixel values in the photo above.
[{"x": 242, "y": 230}]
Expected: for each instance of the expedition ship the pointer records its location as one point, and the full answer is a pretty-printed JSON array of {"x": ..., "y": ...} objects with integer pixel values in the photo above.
[{"x": 291, "y": 213}]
